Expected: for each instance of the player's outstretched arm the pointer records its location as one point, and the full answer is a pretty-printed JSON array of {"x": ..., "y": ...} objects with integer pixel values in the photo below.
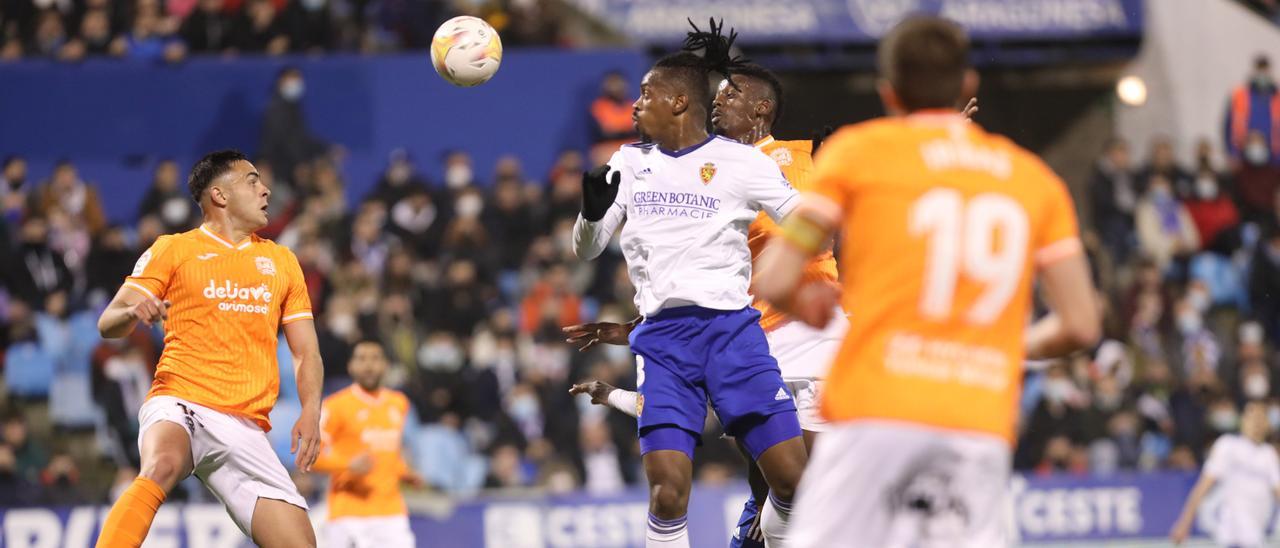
[
  {"x": 603, "y": 393},
  {"x": 587, "y": 335},
  {"x": 309, "y": 370},
  {"x": 804, "y": 233},
  {"x": 1182, "y": 528},
  {"x": 1074, "y": 322},
  {"x": 126, "y": 309}
]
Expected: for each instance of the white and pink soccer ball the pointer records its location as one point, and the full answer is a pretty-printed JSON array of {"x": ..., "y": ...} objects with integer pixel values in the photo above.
[{"x": 466, "y": 51}]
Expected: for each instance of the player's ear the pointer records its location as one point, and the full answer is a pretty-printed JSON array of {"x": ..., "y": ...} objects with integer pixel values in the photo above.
[
  {"x": 217, "y": 195},
  {"x": 679, "y": 104},
  {"x": 892, "y": 104},
  {"x": 764, "y": 109}
]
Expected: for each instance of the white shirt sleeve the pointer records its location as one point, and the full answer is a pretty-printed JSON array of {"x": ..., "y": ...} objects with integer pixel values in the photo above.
[
  {"x": 590, "y": 238},
  {"x": 1273, "y": 471},
  {"x": 768, "y": 189},
  {"x": 1219, "y": 459}
]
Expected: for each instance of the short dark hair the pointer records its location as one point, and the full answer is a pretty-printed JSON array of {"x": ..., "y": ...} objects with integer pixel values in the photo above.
[
  {"x": 10, "y": 160},
  {"x": 209, "y": 168},
  {"x": 690, "y": 73},
  {"x": 770, "y": 79},
  {"x": 925, "y": 59}
]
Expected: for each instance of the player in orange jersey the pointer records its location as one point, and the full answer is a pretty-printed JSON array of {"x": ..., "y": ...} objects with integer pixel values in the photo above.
[
  {"x": 361, "y": 430},
  {"x": 945, "y": 226},
  {"x": 223, "y": 294}
]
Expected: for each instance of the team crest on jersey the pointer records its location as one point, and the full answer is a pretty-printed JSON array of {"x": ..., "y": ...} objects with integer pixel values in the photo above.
[
  {"x": 639, "y": 404},
  {"x": 707, "y": 172},
  {"x": 141, "y": 265},
  {"x": 781, "y": 155},
  {"x": 265, "y": 265}
]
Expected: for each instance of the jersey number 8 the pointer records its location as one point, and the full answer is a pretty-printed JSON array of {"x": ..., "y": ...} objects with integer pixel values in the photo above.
[{"x": 962, "y": 238}]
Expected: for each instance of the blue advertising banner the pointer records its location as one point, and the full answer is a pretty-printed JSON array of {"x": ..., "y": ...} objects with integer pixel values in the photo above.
[
  {"x": 1122, "y": 508},
  {"x": 845, "y": 21}
]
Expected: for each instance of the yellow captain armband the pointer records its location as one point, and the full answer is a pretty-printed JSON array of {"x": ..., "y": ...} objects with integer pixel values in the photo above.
[{"x": 805, "y": 233}]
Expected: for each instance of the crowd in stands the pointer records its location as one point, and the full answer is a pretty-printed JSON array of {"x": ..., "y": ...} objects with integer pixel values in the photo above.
[
  {"x": 172, "y": 30},
  {"x": 467, "y": 283}
]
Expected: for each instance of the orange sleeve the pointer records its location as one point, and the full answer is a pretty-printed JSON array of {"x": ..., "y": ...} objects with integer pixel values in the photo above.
[
  {"x": 799, "y": 171},
  {"x": 832, "y": 177},
  {"x": 297, "y": 303},
  {"x": 154, "y": 269},
  {"x": 1057, "y": 231},
  {"x": 330, "y": 460}
]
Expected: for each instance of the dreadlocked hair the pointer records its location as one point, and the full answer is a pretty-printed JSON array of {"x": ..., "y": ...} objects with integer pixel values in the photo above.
[
  {"x": 693, "y": 70},
  {"x": 751, "y": 70}
]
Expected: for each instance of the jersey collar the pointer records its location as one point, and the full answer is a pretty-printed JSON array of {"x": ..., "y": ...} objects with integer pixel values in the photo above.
[
  {"x": 205, "y": 229},
  {"x": 367, "y": 396},
  {"x": 688, "y": 149},
  {"x": 768, "y": 140}
]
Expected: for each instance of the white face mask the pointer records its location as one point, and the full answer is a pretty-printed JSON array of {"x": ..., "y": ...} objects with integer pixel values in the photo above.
[
  {"x": 469, "y": 206},
  {"x": 1256, "y": 154},
  {"x": 1256, "y": 386},
  {"x": 342, "y": 325},
  {"x": 1190, "y": 323},
  {"x": 1223, "y": 420},
  {"x": 457, "y": 176},
  {"x": 292, "y": 89},
  {"x": 1199, "y": 300},
  {"x": 312, "y": 5},
  {"x": 1058, "y": 390},
  {"x": 1206, "y": 188}
]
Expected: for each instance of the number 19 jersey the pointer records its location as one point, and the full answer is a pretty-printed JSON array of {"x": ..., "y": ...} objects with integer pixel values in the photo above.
[{"x": 945, "y": 225}]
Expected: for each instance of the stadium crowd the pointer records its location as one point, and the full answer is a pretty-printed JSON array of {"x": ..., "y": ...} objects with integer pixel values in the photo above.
[
  {"x": 172, "y": 30},
  {"x": 467, "y": 283}
]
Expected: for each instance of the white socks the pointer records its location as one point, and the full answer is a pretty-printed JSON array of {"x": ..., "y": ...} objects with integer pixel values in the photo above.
[
  {"x": 774, "y": 517},
  {"x": 667, "y": 533}
]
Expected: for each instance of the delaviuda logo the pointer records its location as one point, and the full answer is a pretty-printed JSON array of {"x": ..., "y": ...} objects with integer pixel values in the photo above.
[{"x": 235, "y": 297}]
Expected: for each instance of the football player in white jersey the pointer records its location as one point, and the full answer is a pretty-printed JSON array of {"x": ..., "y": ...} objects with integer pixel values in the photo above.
[
  {"x": 687, "y": 199},
  {"x": 1247, "y": 471}
]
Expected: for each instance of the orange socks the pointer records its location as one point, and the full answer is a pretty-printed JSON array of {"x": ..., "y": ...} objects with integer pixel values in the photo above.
[{"x": 130, "y": 517}]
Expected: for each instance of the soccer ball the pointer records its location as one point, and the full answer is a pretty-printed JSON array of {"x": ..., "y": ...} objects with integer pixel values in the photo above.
[{"x": 466, "y": 51}]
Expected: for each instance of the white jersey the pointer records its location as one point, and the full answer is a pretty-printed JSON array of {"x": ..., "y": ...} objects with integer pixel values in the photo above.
[
  {"x": 687, "y": 213},
  {"x": 1247, "y": 475}
]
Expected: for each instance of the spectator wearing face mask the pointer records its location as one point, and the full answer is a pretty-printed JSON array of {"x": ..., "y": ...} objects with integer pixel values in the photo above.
[
  {"x": 1113, "y": 195},
  {"x": 1214, "y": 214},
  {"x": 1258, "y": 178},
  {"x": 1165, "y": 229},
  {"x": 287, "y": 141},
  {"x": 1164, "y": 162},
  {"x": 13, "y": 188},
  {"x": 1254, "y": 106}
]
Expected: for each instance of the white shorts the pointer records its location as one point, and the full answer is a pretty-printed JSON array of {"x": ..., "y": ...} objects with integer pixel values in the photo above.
[
  {"x": 804, "y": 355},
  {"x": 371, "y": 532},
  {"x": 231, "y": 455},
  {"x": 939, "y": 488}
]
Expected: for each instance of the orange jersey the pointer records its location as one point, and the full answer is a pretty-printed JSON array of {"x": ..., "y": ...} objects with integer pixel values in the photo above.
[
  {"x": 946, "y": 224},
  {"x": 796, "y": 163},
  {"x": 227, "y": 305},
  {"x": 355, "y": 422}
]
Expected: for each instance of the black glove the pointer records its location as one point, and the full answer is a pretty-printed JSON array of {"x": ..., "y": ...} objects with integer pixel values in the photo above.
[
  {"x": 819, "y": 137},
  {"x": 598, "y": 192}
]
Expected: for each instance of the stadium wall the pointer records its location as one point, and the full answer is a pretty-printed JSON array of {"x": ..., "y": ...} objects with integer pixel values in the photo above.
[
  {"x": 1125, "y": 510},
  {"x": 115, "y": 118},
  {"x": 1194, "y": 53}
]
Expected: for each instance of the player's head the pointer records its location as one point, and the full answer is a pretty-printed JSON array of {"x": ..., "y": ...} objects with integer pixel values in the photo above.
[
  {"x": 1254, "y": 423},
  {"x": 924, "y": 64},
  {"x": 750, "y": 98},
  {"x": 368, "y": 364},
  {"x": 228, "y": 188},
  {"x": 677, "y": 91}
]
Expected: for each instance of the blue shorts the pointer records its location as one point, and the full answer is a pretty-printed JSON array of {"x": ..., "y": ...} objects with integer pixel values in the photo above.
[{"x": 690, "y": 355}]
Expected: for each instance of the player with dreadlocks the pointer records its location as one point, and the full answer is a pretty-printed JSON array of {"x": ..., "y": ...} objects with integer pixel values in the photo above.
[{"x": 687, "y": 199}]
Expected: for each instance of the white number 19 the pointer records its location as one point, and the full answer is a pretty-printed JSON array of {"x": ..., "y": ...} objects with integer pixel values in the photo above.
[{"x": 961, "y": 236}]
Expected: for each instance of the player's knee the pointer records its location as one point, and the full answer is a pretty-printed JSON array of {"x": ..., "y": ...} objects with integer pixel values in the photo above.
[
  {"x": 668, "y": 499},
  {"x": 166, "y": 469}
]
